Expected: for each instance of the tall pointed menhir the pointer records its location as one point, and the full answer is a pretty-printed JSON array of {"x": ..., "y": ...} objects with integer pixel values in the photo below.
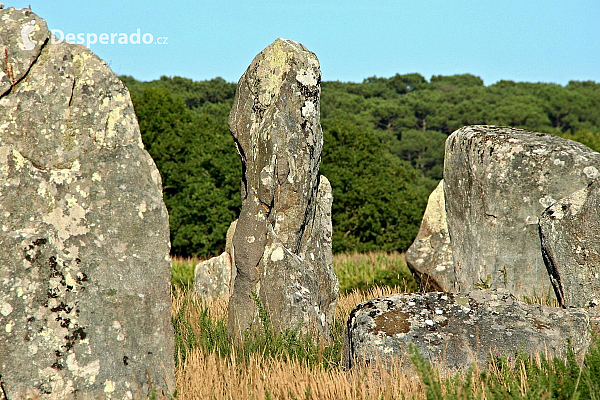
[{"x": 283, "y": 237}]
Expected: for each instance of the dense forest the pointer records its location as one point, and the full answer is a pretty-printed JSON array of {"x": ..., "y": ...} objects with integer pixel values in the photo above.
[{"x": 383, "y": 151}]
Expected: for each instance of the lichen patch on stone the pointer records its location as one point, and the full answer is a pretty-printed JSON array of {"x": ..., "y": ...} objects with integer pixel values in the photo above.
[
  {"x": 277, "y": 254},
  {"x": 591, "y": 172},
  {"x": 392, "y": 323},
  {"x": 67, "y": 148}
]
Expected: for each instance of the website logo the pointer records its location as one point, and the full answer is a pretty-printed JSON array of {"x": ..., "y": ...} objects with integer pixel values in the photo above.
[
  {"x": 26, "y": 30},
  {"x": 89, "y": 39}
]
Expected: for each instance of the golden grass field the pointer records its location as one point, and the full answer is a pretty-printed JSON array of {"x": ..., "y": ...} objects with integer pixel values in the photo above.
[
  {"x": 261, "y": 373},
  {"x": 209, "y": 376},
  {"x": 205, "y": 375}
]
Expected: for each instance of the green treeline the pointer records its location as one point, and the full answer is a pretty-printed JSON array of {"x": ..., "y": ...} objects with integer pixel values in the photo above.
[{"x": 383, "y": 151}]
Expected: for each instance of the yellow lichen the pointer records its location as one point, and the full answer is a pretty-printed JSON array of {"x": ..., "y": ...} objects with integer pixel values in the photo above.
[
  {"x": 277, "y": 254},
  {"x": 272, "y": 66},
  {"x": 109, "y": 386},
  {"x": 19, "y": 160},
  {"x": 142, "y": 209},
  {"x": 70, "y": 281}
]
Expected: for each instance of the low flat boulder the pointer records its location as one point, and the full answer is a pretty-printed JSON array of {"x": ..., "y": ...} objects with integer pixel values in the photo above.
[
  {"x": 456, "y": 330},
  {"x": 430, "y": 256},
  {"x": 570, "y": 235},
  {"x": 497, "y": 182}
]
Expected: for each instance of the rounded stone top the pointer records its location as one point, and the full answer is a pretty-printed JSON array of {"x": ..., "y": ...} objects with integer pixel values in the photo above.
[{"x": 269, "y": 68}]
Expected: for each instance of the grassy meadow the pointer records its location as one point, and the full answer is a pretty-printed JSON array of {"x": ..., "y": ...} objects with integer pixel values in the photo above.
[{"x": 291, "y": 366}]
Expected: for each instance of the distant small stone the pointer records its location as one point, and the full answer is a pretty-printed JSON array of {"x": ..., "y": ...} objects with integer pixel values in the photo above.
[
  {"x": 215, "y": 277},
  {"x": 430, "y": 255},
  {"x": 212, "y": 278}
]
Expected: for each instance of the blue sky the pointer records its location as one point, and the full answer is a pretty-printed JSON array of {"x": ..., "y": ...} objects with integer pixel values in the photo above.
[{"x": 526, "y": 40}]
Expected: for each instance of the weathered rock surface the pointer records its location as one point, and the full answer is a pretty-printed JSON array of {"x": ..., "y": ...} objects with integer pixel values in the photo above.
[
  {"x": 455, "y": 330},
  {"x": 570, "y": 234},
  {"x": 430, "y": 255},
  {"x": 282, "y": 242},
  {"x": 497, "y": 182},
  {"x": 229, "y": 238},
  {"x": 84, "y": 234},
  {"x": 214, "y": 277}
]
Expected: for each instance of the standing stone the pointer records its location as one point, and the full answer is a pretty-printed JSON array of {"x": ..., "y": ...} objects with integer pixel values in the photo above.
[
  {"x": 214, "y": 277},
  {"x": 84, "y": 234},
  {"x": 497, "y": 182},
  {"x": 282, "y": 242},
  {"x": 456, "y": 330},
  {"x": 430, "y": 255},
  {"x": 570, "y": 234}
]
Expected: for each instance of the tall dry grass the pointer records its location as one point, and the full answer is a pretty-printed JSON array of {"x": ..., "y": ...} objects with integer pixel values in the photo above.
[
  {"x": 211, "y": 377},
  {"x": 208, "y": 375},
  {"x": 205, "y": 373}
]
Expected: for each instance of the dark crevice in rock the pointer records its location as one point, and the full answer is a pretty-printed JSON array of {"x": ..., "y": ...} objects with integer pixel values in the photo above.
[
  {"x": 552, "y": 271},
  {"x": 310, "y": 93},
  {"x": 57, "y": 366},
  {"x": 3, "y": 395},
  {"x": 26, "y": 74},
  {"x": 242, "y": 154},
  {"x": 258, "y": 109},
  {"x": 349, "y": 356},
  {"x": 269, "y": 211},
  {"x": 72, "y": 92},
  {"x": 308, "y": 216}
]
